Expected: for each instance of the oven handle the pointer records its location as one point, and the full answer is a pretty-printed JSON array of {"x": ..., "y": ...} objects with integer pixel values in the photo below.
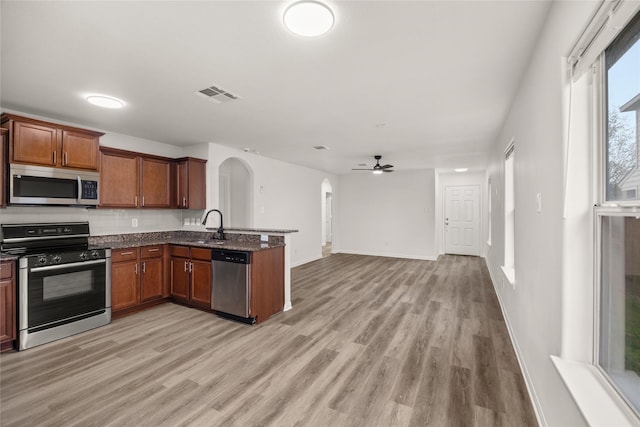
[
  {"x": 63, "y": 266},
  {"x": 79, "y": 188}
]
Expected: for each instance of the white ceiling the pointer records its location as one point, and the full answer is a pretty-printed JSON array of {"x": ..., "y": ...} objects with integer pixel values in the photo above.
[{"x": 424, "y": 83}]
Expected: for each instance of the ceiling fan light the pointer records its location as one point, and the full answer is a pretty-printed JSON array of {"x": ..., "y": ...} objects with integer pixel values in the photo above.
[
  {"x": 377, "y": 171},
  {"x": 308, "y": 18}
]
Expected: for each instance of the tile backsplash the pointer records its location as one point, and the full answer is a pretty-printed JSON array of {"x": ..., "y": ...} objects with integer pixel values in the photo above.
[{"x": 106, "y": 221}]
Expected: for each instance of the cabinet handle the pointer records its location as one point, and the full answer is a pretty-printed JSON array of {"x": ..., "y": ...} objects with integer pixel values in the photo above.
[
  {"x": 144, "y": 270},
  {"x": 190, "y": 267},
  {"x": 184, "y": 202},
  {"x": 126, "y": 253},
  {"x": 185, "y": 266},
  {"x": 142, "y": 200},
  {"x": 64, "y": 158},
  {"x": 136, "y": 201},
  {"x": 135, "y": 268},
  {"x": 153, "y": 250},
  {"x": 54, "y": 157}
]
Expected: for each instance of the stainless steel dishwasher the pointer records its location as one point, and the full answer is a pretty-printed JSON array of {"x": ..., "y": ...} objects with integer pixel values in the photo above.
[{"x": 231, "y": 289}]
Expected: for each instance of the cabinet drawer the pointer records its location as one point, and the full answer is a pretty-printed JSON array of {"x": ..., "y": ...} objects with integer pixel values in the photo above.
[
  {"x": 201, "y": 254},
  {"x": 151, "y": 251},
  {"x": 180, "y": 251},
  {"x": 6, "y": 270},
  {"x": 124, "y": 254}
]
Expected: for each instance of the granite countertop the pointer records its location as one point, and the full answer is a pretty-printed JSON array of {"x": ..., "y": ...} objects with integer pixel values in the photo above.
[
  {"x": 239, "y": 242},
  {"x": 8, "y": 257},
  {"x": 262, "y": 230}
]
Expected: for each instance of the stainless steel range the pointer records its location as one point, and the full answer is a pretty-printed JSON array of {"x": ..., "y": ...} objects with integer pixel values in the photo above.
[{"x": 64, "y": 287}]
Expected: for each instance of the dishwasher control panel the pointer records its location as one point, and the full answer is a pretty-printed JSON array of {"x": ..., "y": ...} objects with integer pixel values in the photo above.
[{"x": 237, "y": 257}]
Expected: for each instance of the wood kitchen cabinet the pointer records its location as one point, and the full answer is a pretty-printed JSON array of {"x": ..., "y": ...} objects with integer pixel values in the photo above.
[
  {"x": 190, "y": 183},
  {"x": 133, "y": 180},
  {"x": 137, "y": 277},
  {"x": 267, "y": 283},
  {"x": 191, "y": 275},
  {"x": 4, "y": 137},
  {"x": 7, "y": 305},
  {"x": 42, "y": 143}
]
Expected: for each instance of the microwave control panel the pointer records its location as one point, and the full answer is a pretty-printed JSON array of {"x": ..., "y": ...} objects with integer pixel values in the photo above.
[{"x": 89, "y": 190}]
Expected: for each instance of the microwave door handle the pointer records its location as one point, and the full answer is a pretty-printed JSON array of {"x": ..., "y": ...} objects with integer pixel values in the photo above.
[{"x": 79, "y": 189}]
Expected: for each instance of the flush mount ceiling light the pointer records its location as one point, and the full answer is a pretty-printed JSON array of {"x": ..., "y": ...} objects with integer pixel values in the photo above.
[
  {"x": 105, "y": 101},
  {"x": 308, "y": 18}
]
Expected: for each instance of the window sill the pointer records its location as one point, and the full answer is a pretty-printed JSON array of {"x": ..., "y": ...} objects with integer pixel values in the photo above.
[
  {"x": 599, "y": 403},
  {"x": 510, "y": 274}
]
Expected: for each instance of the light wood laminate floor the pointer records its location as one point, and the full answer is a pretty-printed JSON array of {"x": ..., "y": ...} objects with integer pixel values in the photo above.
[{"x": 370, "y": 342}]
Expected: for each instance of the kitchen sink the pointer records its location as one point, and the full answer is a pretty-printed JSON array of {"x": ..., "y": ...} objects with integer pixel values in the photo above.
[{"x": 210, "y": 242}]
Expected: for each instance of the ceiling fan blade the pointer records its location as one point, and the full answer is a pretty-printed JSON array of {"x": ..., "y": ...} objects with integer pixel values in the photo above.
[
  {"x": 386, "y": 166},
  {"x": 361, "y": 169},
  {"x": 387, "y": 170}
]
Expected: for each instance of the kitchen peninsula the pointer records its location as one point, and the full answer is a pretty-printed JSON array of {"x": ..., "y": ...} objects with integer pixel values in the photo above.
[{"x": 155, "y": 267}]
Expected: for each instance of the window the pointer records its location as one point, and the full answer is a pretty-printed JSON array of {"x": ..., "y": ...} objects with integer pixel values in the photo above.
[
  {"x": 509, "y": 214},
  {"x": 618, "y": 248}
]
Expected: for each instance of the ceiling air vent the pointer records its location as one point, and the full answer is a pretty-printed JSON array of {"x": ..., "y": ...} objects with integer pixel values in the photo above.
[
  {"x": 217, "y": 94},
  {"x": 320, "y": 147}
]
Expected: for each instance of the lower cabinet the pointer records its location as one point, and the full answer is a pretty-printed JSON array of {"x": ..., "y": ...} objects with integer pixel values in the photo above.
[
  {"x": 7, "y": 304},
  {"x": 137, "y": 276},
  {"x": 191, "y": 275}
]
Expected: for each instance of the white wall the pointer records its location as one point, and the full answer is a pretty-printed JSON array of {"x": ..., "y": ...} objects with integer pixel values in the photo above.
[
  {"x": 285, "y": 196},
  {"x": 533, "y": 308},
  {"x": 386, "y": 215},
  {"x": 240, "y": 193}
]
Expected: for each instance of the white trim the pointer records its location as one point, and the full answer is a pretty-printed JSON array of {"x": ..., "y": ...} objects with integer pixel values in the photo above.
[
  {"x": 537, "y": 406},
  {"x": 598, "y": 402},
  {"x": 509, "y": 274},
  {"x": 390, "y": 255}
]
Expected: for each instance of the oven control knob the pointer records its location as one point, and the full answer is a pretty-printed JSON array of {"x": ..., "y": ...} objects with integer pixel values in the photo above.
[
  {"x": 57, "y": 258},
  {"x": 95, "y": 254},
  {"x": 42, "y": 260},
  {"x": 83, "y": 255}
]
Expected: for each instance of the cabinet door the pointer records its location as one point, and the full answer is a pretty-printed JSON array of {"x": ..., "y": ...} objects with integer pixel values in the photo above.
[
  {"x": 191, "y": 184},
  {"x": 35, "y": 144},
  {"x": 124, "y": 285},
  {"x": 118, "y": 180},
  {"x": 151, "y": 279},
  {"x": 156, "y": 183},
  {"x": 7, "y": 302},
  {"x": 180, "y": 278},
  {"x": 201, "y": 283},
  {"x": 79, "y": 150},
  {"x": 4, "y": 136}
]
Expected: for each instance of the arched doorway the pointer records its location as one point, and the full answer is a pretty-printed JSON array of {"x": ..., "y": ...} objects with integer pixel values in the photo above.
[
  {"x": 327, "y": 216},
  {"x": 235, "y": 182}
]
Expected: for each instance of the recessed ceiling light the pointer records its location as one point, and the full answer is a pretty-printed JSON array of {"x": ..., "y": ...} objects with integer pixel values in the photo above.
[
  {"x": 105, "y": 101},
  {"x": 461, "y": 169},
  {"x": 308, "y": 18}
]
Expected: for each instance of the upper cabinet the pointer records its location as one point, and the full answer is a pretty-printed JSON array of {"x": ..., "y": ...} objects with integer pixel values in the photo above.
[
  {"x": 136, "y": 180},
  {"x": 47, "y": 144},
  {"x": 191, "y": 175},
  {"x": 4, "y": 136}
]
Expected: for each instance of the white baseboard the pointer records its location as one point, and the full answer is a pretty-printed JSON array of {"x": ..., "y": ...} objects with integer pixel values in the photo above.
[
  {"x": 390, "y": 255},
  {"x": 537, "y": 408}
]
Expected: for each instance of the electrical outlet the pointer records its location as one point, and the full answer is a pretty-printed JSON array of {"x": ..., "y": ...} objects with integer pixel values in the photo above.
[
  {"x": 134, "y": 222},
  {"x": 264, "y": 237}
]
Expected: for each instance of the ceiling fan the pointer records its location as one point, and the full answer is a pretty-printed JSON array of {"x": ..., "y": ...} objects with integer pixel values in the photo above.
[{"x": 377, "y": 169}]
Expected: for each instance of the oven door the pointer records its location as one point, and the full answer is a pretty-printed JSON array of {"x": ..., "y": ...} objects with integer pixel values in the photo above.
[{"x": 53, "y": 295}]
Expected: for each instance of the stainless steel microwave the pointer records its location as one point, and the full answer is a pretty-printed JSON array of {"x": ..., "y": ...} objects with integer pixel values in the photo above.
[{"x": 38, "y": 185}]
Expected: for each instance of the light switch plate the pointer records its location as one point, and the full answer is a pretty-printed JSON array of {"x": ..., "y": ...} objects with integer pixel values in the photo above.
[{"x": 264, "y": 237}]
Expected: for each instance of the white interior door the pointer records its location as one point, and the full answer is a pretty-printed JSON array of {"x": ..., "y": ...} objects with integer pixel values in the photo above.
[{"x": 462, "y": 220}]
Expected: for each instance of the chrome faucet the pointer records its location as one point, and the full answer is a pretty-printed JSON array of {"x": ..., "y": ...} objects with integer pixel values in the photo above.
[{"x": 221, "y": 228}]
